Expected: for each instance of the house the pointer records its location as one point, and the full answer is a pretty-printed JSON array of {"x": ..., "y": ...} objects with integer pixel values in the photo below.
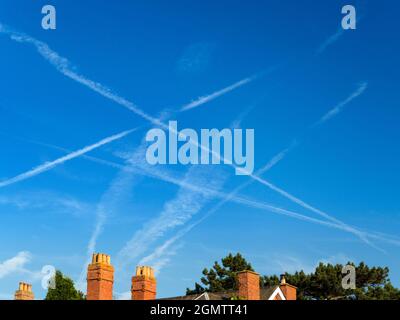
[
  {"x": 100, "y": 280},
  {"x": 248, "y": 289}
]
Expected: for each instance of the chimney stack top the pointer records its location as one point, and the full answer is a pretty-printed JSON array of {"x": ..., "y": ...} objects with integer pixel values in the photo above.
[
  {"x": 23, "y": 286},
  {"x": 145, "y": 271},
  {"x": 101, "y": 258}
]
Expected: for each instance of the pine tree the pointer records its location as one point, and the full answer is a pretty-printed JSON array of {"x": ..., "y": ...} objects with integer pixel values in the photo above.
[
  {"x": 326, "y": 283},
  {"x": 220, "y": 278},
  {"x": 372, "y": 283}
]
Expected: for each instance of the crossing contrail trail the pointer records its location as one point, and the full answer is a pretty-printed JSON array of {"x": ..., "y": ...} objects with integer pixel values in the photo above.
[
  {"x": 49, "y": 165},
  {"x": 224, "y": 197},
  {"x": 63, "y": 66},
  {"x": 338, "y": 108},
  {"x": 204, "y": 99}
]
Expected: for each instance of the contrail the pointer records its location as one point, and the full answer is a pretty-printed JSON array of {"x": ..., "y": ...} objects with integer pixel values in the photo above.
[
  {"x": 225, "y": 197},
  {"x": 62, "y": 65},
  {"x": 309, "y": 207},
  {"x": 333, "y": 112},
  {"x": 244, "y": 201},
  {"x": 164, "y": 248},
  {"x": 204, "y": 99},
  {"x": 276, "y": 159},
  {"x": 175, "y": 212},
  {"x": 332, "y": 39},
  {"x": 167, "y": 178},
  {"x": 329, "y": 115},
  {"x": 279, "y": 190},
  {"x": 339, "y": 107},
  {"x": 49, "y": 165},
  {"x": 163, "y": 176}
]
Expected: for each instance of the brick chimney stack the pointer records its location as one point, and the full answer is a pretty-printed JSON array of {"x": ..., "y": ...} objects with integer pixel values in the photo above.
[
  {"x": 100, "y": 278},
  {"x": 288, "y": 290},
  {"x": 24, "y": 292},
  {"x": 249, "y": 285},
  {"x": 144, "y": 285}
]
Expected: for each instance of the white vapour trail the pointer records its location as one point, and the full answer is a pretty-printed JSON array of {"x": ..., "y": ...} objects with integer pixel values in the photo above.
[
  {"x": 157, "y": 257},
  {"x": 159, "y": 253},
  {"x": 204, "y": 99},
  {"x": 245, "y": 201},
  {"x": 286, "y": 194},
  {"x": 118, "y": 189},
  {"x": 276, "y": 159},
  {"x": 339, "y": 107},
  {"x": 329, "y": 115},
  {"x": 329, "y": 41},
  {"x": 279, "y": 190},
  {"x": 49, "y": 165},
  {"x": 62, "y": 65},
  {"x": 224, "y": 197},
  {"x": 100, "y": 220},
  {"x": 160, "y": 256},
  {"x": 333, "y": 38},
  {"x": 305, "y": 205},
  {"x": 176, "y": 212},
  {"x": 146, "y": 170}
]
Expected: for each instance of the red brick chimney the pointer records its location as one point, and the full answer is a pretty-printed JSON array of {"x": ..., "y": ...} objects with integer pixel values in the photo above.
[
  {"x": 144, "y": 285},
  {"x": 249, "y": 285},
  {"x": 288, "y": 290},
  {"x": 24, "y": 292},
  {"x": 100, "y": 278}
]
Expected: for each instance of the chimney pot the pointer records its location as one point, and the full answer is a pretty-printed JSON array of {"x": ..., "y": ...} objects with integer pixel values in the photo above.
[
  {"x": 24, "y": 292},
  {"x": 283, "y": 279}
]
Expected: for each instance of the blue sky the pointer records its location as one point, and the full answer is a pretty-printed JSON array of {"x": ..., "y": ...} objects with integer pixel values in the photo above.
[{"x": 159, "y": 57}]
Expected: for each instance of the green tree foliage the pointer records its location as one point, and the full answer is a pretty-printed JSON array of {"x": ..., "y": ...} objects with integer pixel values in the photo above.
[
  {"x": 325, "y": 282},
  {"x": 221, "y": 278},
  {"x": 64, "y": 289}
]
